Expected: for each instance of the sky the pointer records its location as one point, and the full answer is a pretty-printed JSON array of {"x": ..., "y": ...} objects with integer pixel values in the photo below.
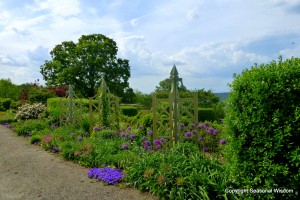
[{"x": 207, "y": 40}]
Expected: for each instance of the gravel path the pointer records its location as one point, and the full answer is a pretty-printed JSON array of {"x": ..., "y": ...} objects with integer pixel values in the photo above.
[{"x": 27, "y": 172}]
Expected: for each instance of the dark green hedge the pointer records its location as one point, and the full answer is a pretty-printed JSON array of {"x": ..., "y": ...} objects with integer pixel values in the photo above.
[
  {"x": 262, "y": 123},
  {"x": 129, "y": 110},
  {"x": 206, "y": 114}
]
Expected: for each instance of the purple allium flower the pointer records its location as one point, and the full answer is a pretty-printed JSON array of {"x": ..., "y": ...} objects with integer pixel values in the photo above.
[
  {"x": 188, "y": 134},
  {"x": 181, "y": 126},
  {"x": 129, "y": 128},
  {"x": 215, "y": 132},
  {"x": 118, "y": 133},
  {"x": 205, "y": 149},
  {"x": 97, "y": 128},
  {"x": 202, "y": 126},
  {"x": 127, "y": 135},
  {"x": 162, "y": 140},
  {"x": 223, "y": 141},
  {"x": 124, "y": 146},
  {"x": 210, "y": 130},
  {"x": 140, "y": 127},
  {"x": 147, "y": 148},
  {"x": 150, "y": 132},
  {"x": 79, "y": 139},
  {"x": 132, "y": 136},
  {"x": 157, "y": 147},
  {"x": 123, "y": 135},
  {"x": 156, "y": 142},
  {"x": 147, "y": 143},
  {"x": 200, "y": 139}
]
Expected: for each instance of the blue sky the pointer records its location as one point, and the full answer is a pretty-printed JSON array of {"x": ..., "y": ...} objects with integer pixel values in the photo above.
[{"x": 208, "y": 40}]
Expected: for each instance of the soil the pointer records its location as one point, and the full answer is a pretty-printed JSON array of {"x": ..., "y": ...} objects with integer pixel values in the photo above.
[{"x": 28, "y": 172}]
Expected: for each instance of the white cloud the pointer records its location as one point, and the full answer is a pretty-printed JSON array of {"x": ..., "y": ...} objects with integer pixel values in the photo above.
[{"x": 58, "y": 7}]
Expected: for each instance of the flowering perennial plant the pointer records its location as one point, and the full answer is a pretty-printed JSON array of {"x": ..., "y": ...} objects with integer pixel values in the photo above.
[
  {"x": 106, "y": 174},
  {"x": 28, "y": 111}
]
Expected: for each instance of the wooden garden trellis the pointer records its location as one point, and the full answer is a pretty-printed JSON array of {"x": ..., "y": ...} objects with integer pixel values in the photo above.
[
  {"x": 70, "y": 109},
  {"x": 169, "y": 112},
  {"x": 104, "y": 108}
]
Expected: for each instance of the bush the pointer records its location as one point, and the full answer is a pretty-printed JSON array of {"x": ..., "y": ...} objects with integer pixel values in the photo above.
[
  {"x": 263, "y": 123},
  {"x": 129, "y": 110},
  {"x": 30, "y": 127},
  {"x": 28, "y": 111},
  {"x": 5, "y": 104},
  {"x": 40, "y": 95},
  {"x": 206, "y": 114}
]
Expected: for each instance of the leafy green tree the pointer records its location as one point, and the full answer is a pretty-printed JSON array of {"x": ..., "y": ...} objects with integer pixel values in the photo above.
[
  {"x": 9, "y": 90},
  {"x": 166, "y": 85},
  {"x": 81, "y": 64},
  {"x": 207, "y": 99}
]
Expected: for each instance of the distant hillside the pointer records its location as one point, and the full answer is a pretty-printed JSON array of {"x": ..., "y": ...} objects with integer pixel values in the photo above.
[{"x": 222, "y": 95}]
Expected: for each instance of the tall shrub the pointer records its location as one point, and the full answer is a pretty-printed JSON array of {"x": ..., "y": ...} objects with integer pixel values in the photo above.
[{"x": 262, "y": 123}]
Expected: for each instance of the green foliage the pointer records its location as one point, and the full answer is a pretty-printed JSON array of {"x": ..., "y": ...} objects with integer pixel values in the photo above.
[
  {"x": 129, "y": 110},
  {"x": 7, "y": 117},
  {"x": 9, "y": 90},
  {"x": 31, "y": 127},
  {"x": 206, "y": 114},
  {"x": 166, "y": 85},
  {"x": 144, "y": 100},
  {"x": 81, "y": 65},
  {"x": 263, "y": 121},
  {"x": 5, "y": 104},
  {"x": 28, "y": 111},
  {"x": 36, "y": 139},
  {"x": 39, "y": 95},
  {"x": 181, "y": 173},
  {"x": 207, "y": 99}
]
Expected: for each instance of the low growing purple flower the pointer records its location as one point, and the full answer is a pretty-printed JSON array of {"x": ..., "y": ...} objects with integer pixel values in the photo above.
[
  {"x": 140, "y": 127},
  {"x": 150, "y": 132},
  {"x": 106, "y": 174},
  {"x": 202, "y": 126},
  {"x": 223, "y": 141},
  {"x": 200, "y": 139}
]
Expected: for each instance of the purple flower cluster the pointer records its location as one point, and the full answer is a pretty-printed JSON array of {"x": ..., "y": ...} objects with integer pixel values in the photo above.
[
  {"x": 209, "y": 129},
  {"x": 156, "y": 143},
  {"x": 7, "y": 125},
  {"x": 188, "y": 135},
  {"x": 106, "y": 174},
  {"x": 223, "y": 141}
]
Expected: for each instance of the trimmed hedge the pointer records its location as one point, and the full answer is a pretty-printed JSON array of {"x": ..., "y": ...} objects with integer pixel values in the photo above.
[
  {"x": 129, "y": 110},
  {"x": 206, "y": 114},
  {"x": 262, "y": 123}
]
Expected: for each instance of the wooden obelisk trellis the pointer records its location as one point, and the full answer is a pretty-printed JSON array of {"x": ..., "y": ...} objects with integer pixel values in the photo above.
[
  {"x": 104, "y": 108},
  {"x": 70, "y": 109},
  {"x": 168, "y": 112}
]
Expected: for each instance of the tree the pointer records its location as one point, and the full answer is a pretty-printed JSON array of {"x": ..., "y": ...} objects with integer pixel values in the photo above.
[
  {"x": 9, "y": 90},
  {"x": 166, "y": 85},
  {"x": 82, "y": 64}
]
